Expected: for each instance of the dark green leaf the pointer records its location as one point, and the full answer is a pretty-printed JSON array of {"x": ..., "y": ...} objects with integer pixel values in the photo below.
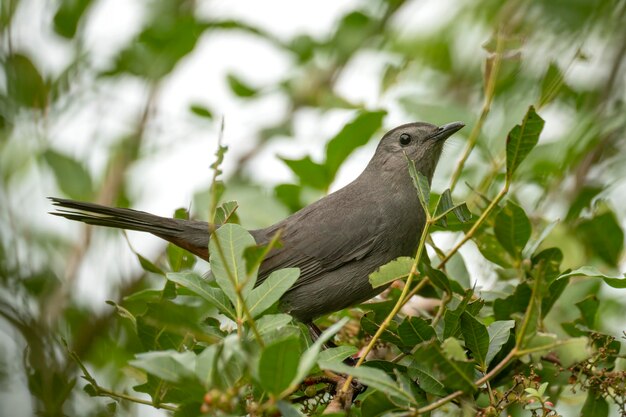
[
  {"x": 415, "y": 330},
  {"x": 423, "y": 374},
  {"x": 595, "y": 405},
  {"x": 588, "y": 308},
  {"x": 148, "y": 266},
  {"x": 273, "y": 287},
  {"x": 492, "y": 250},
  {"x": 240, "y": 88},
  {"x": 521, "y": 140},
  {"x": 452, "y": 317},
  {"x": 445, "y": 205},
  {"x": 202, "y": 111},
  {"x": 68, "y": 16},
  {"x": 310, "y": 173},
  {"x": 24, "y": 83},
  {"x": 603, "y": 236},
  {"x": 452, "y": 373},
  {"x": 504, "y": 308},
  {"x": 582, "y": 201},
  {"x": 476, "y": 338},
  {"x": 289, "y": 195},
  {"x": 278, "y": 364},
  {"x": 512, "y": 229},
  {"x": 72, "y": 177},
  {"x": 397, "y": 269},
  {"x": 376, "y": 404},
  {"x": 353, "y": 135}
]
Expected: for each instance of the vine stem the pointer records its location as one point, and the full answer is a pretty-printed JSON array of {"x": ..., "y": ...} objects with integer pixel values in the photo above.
[
  {"x": 490, "y": 88},
  {"x": 399, "y": 303},
  {"x": 479, "y": 222},
  {"x": 242, "y": 304}
]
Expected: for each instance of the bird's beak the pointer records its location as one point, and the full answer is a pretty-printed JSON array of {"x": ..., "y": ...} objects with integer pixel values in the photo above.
[{"x": 445, "y": 131}]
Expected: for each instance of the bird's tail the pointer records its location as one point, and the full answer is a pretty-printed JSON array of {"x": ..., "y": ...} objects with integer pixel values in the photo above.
[{"x": 188, "y": 234}]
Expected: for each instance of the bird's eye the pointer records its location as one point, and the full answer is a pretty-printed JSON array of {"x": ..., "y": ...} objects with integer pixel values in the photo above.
[{"x": 405, "y": 139}]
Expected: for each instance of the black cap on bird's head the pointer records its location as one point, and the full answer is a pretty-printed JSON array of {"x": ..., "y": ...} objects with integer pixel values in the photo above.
[{"x": 422, "y": 142}]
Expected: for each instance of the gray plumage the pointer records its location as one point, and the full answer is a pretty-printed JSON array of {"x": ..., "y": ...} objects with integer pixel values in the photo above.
[{"x": 336, "y": 241}]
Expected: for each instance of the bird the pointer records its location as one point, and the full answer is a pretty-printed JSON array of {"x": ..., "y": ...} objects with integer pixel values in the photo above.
[{"x": 336, "y": 242}]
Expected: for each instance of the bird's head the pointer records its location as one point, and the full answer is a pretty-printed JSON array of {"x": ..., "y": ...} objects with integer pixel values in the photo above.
[{"x": 422, "y": 142}]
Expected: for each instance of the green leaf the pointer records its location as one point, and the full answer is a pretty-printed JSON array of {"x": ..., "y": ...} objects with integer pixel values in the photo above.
[
  {"x": 415, "y": 330},
  {"x": 452, "y": 317},
  {"x": 206, "y": 364},
  {"x": 309, "y": 173},
  {"x": 512, "y": 229},
  {"x": 269, "y": 322},
  {"x": 521, "y": 140},
  {"x": 310, "y": 356},
  {"x": 499, "y": 333},
  {"x": 399, "y": 268},
  {"x": 595, "y": 405},
  {"x": 278, "y": 364},
  {"x": 552, "y": 83},
  {"x": 288, "y": 410},
  {"x": 588, "y": 308},
  {"x": 227, "y": 246},
  {"x": 455, "y": 375},
  {"x": 420, "y": 182},
  {"x": 423, "y": 374},
  {"x": 353, "y": 135},
  {"x": 148, "y": 266},
  {"x": 201, "y": 111},
  {"x": 376, "y": 404},
  {"x": 615, "y": 281},
  {"x": 24, "y": 84},
  {"x": 224, "y": 212},
  {"x": 372, "y": 377},
  {"x": 476, "y": 338},
  {"x": 337, "y": 354},
  {"x": 72, "y": 177},
  {"x": 492, "y": 250},
  {"x": 68, "y": 15},
  {"x": 265, "y": 295},
  {"x": 168, "y": 365},
  {"x": 603, "y": 236},
  {"x": 240, "y": 88},
  {"x": 198, "y": 285},
  {"x": 445, "y": 205}
]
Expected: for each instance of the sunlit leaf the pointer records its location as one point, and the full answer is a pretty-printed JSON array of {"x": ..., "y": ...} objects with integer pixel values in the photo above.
[
  {"x": 273, "y": 287},
  {"x": 169, "y": 365},
  {"x": 615, "y": 281},
  {"x": 227, "y": 246},
  {"x": 195, "y": 283},
  {"x": 397, "y": 269},
  {"x": 372, "y": 377},
  {"x": 499, "y": 333},
  {"x": 338, "y": 353}
]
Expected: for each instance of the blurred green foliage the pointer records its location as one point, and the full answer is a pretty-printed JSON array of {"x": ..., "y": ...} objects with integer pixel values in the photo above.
[{"x": 485, "y": 62}]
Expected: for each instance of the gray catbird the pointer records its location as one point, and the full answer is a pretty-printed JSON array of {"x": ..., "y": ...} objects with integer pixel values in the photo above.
[{"x": 336, "y": 241}]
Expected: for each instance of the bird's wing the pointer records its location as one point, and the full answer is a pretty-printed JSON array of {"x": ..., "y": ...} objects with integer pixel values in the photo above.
[{"x": 317, "y": 241}]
